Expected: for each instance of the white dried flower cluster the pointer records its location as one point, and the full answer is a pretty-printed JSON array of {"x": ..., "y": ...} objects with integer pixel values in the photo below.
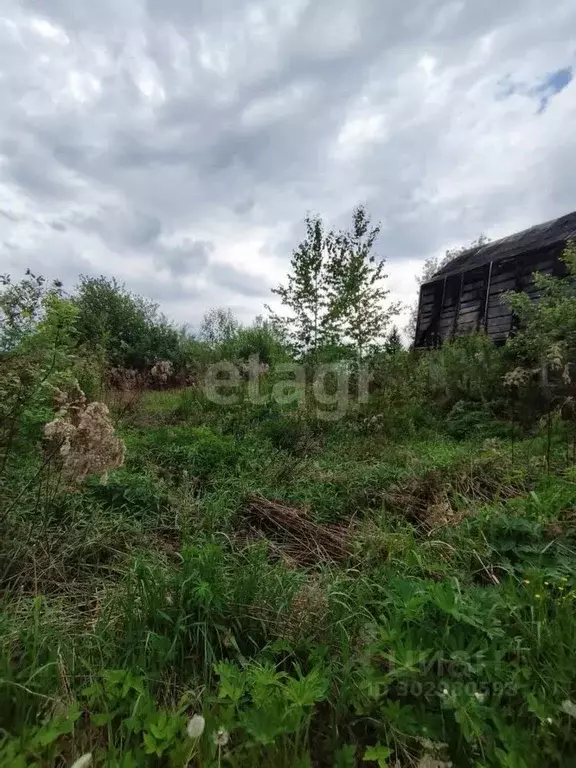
[
  {"x": 162, "y": 371},
  {"x": 519, "y": 377},
  {"x": 555, "y": 357},
  {"x": 82, "y": 437},
  {"x": 125, "y": 379}
]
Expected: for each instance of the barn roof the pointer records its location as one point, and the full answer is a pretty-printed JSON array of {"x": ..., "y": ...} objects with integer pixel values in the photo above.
[{"x": 534, "y": 239}]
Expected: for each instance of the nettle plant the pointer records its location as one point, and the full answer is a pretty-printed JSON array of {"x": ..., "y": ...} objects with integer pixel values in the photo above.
[{"x": 269, "y": 706}]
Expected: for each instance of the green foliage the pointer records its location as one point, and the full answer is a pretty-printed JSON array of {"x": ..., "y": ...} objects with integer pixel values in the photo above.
[
  {"x": 126, "y": 326},
  {"x": 310, "y": 324},
  {"x": 195, "y": 453},
  {"x": 37, "y": 339},
  {"x": 394, "y": 342},
  {"x": 335, "y": 292},
  {"x": 547, "y": 328},
  {"x": 468, "y": 369},
  {"x": 131, "y": 493},
  {"x": 22, "y": 307},
  {"x": 260, "y": 341},
  {"x": 218, "y": 326},
  {"x": 355, "y": 281},
  {"x": 444, "y": 632}
]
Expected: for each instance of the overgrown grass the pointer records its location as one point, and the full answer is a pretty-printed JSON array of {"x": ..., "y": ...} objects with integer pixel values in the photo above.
[{"x": 447, "y": 635}]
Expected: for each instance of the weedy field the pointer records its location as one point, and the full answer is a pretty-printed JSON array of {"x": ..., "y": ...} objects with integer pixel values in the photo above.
[
  {"x": 256, "y": 586},
  {"x": 372, "y": 570}
]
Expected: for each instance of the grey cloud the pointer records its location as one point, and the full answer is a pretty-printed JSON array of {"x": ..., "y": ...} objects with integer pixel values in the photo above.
[
  {"x": 237, "y": 281},
  {"x": 53, "y": 260},
  {"x": 162, "y": 118},
  {"x": 121, "y": 228},
  {"x": 189, "y": 257},
  {"x": 8, "y": 215}
]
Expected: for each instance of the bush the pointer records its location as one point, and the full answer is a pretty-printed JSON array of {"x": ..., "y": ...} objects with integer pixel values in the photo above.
[{"x": 469, "y": 369}]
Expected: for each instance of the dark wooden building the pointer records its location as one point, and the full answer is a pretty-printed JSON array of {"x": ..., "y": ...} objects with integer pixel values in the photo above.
[{"x": 466, "y": 294}]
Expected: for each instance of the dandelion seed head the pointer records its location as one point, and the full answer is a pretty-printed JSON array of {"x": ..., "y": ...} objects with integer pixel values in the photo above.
[
  {"x": 220, "y": 737},
  {"x": 195, "y": 726},
  {"x": 83, "y": 762}
]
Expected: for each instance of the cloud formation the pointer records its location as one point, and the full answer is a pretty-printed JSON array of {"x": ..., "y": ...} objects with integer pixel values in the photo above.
[{"x": 178, "y": 145}]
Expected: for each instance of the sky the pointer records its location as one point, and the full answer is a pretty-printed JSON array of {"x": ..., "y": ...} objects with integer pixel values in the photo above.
[{"x": 179, "y": 144}]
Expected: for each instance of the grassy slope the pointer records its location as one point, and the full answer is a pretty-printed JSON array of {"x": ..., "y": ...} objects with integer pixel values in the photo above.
[{"x": 131, "y": 605}]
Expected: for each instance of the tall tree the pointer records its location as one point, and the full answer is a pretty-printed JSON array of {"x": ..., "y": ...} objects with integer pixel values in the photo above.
[
  {"x": 310, "y": 323},
  {"x": 126, "y": 326},
  {"x": 357, "y": 292}
]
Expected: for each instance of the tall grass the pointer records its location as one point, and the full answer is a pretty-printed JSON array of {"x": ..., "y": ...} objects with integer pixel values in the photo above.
[{"x": 446, "y": 636}]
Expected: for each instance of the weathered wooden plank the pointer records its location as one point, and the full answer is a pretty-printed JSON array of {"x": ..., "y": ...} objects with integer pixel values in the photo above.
[
  {"x": 544, "y": 266},
  {"x": 477, "y": 281},
  {"x": 468, "y": 322},
  {"x": 468, "y": 306},
  {"x": 502, "y": 324},
  {"x": 498, "y": 312},
  {"x": 469, "y": 296},
  {"x": 498, "y": 282}
]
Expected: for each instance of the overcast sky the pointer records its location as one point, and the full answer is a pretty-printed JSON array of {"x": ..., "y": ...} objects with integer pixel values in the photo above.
[{"x": 178, "y": 144}]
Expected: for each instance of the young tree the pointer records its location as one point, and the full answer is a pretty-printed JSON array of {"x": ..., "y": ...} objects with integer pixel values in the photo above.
[
  {"x": 356, "y": 285},
  {"x": 22, "y": 306},
  {"x": 309, "y": 325},
  {"x": 393, "y": 342},
  {"x": 218, "y": 325}
]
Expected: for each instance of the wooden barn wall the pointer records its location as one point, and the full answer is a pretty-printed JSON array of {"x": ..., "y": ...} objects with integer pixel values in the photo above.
[
  {"x": 498, "y": 321},
  {"x": 472, "y": 301}
]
